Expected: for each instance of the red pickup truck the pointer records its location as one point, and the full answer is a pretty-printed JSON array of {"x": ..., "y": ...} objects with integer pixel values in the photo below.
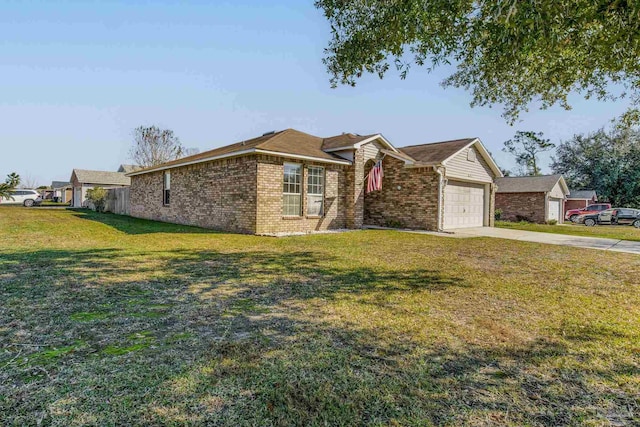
[{"x": 573, "y": 214}]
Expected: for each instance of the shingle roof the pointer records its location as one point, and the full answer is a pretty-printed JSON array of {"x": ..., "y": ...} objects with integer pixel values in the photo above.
[
  {"x": 101, "y": 177},
  {"x": 582, "y": 194},
  {"x": 344, "y": 140},
  {"x": 60, "y": 184},
  {"x": 129, "y": 168},
  {"x": 527, "y": 184},
  {"x": 436, "y": 152},
  {"x": 289, "y": 141},
  {"x": 404, "y": 156}
]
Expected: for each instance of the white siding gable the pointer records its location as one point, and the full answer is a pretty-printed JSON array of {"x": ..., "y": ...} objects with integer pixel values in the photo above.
[
  {"x": 556, "y": 191},
  {"x": 462, "y": 166},
  {"x": 371, "y": 151}
]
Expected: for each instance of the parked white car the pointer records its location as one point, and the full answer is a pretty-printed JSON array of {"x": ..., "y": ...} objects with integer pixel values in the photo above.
[{"x": 27, "y": 198}]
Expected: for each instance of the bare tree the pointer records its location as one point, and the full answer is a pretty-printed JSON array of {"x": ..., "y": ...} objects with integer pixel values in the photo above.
[
  {"x": 28, "y": 181},
  {"x": 153, "y": 146},
  {"x": 191, "y": 151}
]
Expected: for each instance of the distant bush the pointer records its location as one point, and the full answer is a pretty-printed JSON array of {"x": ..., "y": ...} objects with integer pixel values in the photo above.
[
  {"x": 498, "y": 214},
  {"x": 552, "y": 222},
  {"x": 523, "y": 218},
  {"x": 98, "y": 197}
]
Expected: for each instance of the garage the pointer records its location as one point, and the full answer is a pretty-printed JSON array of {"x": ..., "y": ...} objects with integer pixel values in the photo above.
[
  {"x": 538, "y": 198},
  {"x": 554, "y": 210},
  {"x": 464, "y": 205}
]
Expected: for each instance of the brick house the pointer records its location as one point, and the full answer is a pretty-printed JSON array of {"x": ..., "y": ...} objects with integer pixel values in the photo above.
[
  {"x": 532, "y": 198},
  {"x": 578, "y": 199},
  {"x": 290, "y": 181}
]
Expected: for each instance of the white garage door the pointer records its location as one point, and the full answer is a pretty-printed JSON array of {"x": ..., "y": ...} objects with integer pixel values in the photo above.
[
  {"x": 463, "y": 205},
  {"x": 554, "y": 210}
]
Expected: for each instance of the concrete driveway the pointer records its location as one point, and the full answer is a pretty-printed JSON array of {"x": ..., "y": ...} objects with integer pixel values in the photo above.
[{"x": 551, "y": 238}]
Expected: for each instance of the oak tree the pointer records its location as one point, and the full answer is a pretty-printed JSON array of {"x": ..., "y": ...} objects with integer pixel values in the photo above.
[
  {"x": 507, "y": 52},
  {"x": 605, "y": 161}
]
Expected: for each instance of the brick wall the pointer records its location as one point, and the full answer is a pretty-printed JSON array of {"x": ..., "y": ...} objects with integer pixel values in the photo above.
[
  {"x": 220, "y": 195},
  {"x": 528, "y": 205},
  {"x": 244, "y": 194},
  {"x": 269, "y": 218},
  {"x": 413, "y": 205}
]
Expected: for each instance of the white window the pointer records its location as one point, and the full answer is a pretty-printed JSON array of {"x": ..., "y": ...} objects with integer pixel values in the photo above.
[
  {"x": 166, "y": 188},
  {"x": 292, "y": 190},
  {"x": 315, "y": 191}
]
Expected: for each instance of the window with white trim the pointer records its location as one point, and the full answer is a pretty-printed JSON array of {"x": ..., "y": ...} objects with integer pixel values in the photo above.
[
  {"x": 166, "y": 188},
  {"x": 292, "y": 190},
  {"x": 315, "y": 191}
]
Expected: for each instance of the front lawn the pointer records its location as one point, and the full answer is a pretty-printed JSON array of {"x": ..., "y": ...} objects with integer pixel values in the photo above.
[
  {"x": 108, "y": 320},
  {"x": 619, "y": 232}
]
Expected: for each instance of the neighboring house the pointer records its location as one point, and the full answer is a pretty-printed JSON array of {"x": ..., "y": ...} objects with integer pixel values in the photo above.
[
  {"x": 83, "y": 180},
  {"x": 129, "y": 168},
  {"x": 290, "y": 181},
  {"x": 578, "y": 199},
  {"x": 62, "y": 191},
  {"x": 532, "y": 198},
  {"x": 45, "y": 193}
]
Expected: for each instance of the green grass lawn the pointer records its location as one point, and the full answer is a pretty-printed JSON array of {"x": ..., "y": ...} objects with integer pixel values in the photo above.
[
  {"x": 621, "y": 232},
  {"x": 108, "y": 320}
]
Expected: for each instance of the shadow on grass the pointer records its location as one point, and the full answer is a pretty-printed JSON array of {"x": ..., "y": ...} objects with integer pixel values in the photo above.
[
  {"x": 108, "y": 336},
  {"x": 130, "y": 225}
]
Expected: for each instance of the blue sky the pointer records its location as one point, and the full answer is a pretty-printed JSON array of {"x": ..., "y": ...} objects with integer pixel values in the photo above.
[{"x": 78, "y": 77}]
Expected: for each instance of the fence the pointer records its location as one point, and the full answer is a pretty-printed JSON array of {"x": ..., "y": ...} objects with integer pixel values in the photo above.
[{"x": 117, "y": 201}]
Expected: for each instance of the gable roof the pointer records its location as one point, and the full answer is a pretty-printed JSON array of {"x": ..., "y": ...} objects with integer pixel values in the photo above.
[
  {"x": 529, "y": 184},
  {"x": 287, "y": 143},
  {"x": 438, "y": 153},
  {"x": 343, "y": 141},
  {"x": 350, "y": 141},
  {"x": 583, "y": 195},
  {"x": 100, "y": 177},
  {"x": 129, "y": 168},
  {"x": 60, "y": 184},
  {"x": 299, "y": 145}
]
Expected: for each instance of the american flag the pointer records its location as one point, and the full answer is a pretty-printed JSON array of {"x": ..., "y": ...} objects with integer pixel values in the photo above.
[{"x": 374, "y": 180}]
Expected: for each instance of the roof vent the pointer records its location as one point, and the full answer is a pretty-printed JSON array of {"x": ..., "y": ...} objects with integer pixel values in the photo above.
[{"x": 269, "y": 133}]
